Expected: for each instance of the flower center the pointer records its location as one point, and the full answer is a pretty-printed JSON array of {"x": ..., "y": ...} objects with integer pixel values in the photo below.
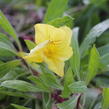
[{"x": 51, "y": 49}]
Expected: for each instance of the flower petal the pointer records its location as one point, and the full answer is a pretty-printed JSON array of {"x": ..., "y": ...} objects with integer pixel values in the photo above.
[
  {"x": 65, "y": 53},
  {"x": 57, "y": 35},
  {"x": 67, "y": 33},
  {"x": 36, "y": 54},
  {"x": 56, "y": 66},
  {"x": 43, "y": 32}
]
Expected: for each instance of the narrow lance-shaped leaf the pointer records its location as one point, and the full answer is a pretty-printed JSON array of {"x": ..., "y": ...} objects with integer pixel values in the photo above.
[
  {"x": 47, "y": 101},
  {"x": 66, "y": 20},
  {"x": 54, "y": 10},
  {"x": 95, "y": 32},
  {"x": 19, "y": 106},
  {"x": 78, "y": 87},
  {"x": 50, "y": 79},
  {"x": 39, "y": 83},
  {"x": 5, "y": 39},
  {"x": 30, "y": 44},
  {"x": 68, "y": 79},
  {"x": 104, "y": 49},
  {"x": 6, "y": 49},
  {"x": 69, "y": 104},
  {"x": 93, "y": 66},
  {"x": 6, "y": 67},
  {"x": 4, "y": 91},
  {"x": 20, "y": 86},
  {"x": 105, "y": 100},
  {"x": 104, "y": 52},
  {"x": 105, "y": 59},
  {"x": 4, "y": 23},
  {"x": 75, "y": 59}
]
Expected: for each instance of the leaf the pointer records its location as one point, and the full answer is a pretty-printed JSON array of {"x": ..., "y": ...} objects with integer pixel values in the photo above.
[
  {"x": 78, "y": 87},
  {"x": 39, "y": 83},
  {"x": 50, "y": 79},
  {"x": 14, "y": 74},
  {"x": 19, "y": 107},
  {"x": 95, "y": 32},
  {"x": 30, "y": 44},
  {"x": 20, "y": 86},
  {"x": 102, "y": 81},
  {"x": 5, "y": 39},
  {"x": 54, "y": 10},
  {"x": 104, "y": 49},
  {"x": 105, "y": 59},
  {"x": 4, "y": 91},
  {"x": 8, "y": 76},
  {"x": 105, "y": 100},
  {"x": 75, "y": 59},
  {"x": 6, "y": 49},
  {"x": 6, "y": 67},
  {"x": 46, "y": 101},
  {"x": 66, "y": 20},
  {"x": 68, "y": 79},
  {"x": 91, "y": 96},
  {"x": 69, "y": 104},
  {"x": 4, "y": 23},
  {"x": 98, "y": 106},
  {"x": 93, "y": 66}
]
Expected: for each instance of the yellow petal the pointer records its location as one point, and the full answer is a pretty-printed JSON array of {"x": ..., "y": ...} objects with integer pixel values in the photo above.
[
  {"x": 47, "y": 32},
  {"x": 43, "y": 32},
  {"x": 36, "y": 54},
  {"x": 67, "y": 32},
  {"x": 65, "y": 53},
  {"x": 56, "y": 66}
]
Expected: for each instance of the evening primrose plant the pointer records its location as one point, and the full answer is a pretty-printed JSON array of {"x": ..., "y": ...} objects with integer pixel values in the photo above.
[{"x": 57, "y": 72}]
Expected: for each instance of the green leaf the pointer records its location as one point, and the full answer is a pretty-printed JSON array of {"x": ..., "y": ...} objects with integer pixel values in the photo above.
[
  {"x": 54, "y": 10},
  {"x": 4, "y": 23},
  {"x": 104, "y": 49},
  {"x": 8, "y": 76},
  {"x": 5, "y": 39},
  {"x": 50, "y": 79},
  {"x": 69, "y": 104},
  {"x": 14, "y": 74},
  {"x": 66, "y": 20},
  {"x": 20, "y": 86},
  {"x": 68, "y": 79},
  {"x": 75, "y": 59},
  {"x": 4, "y": 91},
  {"x": 105, "y": 101},
  {"x": 8, "y": 66},
  {"x": 93, "y": 66},
  {"x": 39, "y": 83},
  {"x": 19, "y": 107},
  {"x": 95, "y": 32},
  {"x": 105, "y": 59},
  {"x": 6, "y": 50},
  {"x": 30, "y": 44},
  {"x": 6, "y": 47},
  {"x": 46, "y": 101},
  {"x": 78, "y": 87}
]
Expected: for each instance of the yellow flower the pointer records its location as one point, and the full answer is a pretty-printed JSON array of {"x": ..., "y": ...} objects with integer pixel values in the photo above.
[{"x": 52, "y": 47}]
